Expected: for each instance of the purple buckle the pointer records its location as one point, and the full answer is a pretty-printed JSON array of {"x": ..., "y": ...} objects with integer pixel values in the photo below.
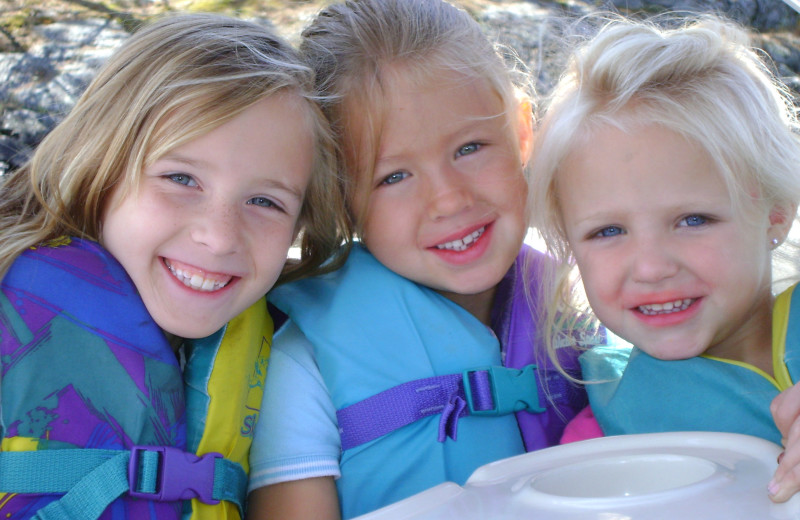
[{"x": 167, "y": 474}]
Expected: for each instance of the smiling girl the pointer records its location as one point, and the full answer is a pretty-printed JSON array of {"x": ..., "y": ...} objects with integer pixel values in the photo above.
[
  {"x": 135, "y": 251},
  {"x": 667, "y": 173},
  {"x": 377, "y": 391}
]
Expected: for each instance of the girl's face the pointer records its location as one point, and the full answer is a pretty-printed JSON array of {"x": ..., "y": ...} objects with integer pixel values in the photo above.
[
  {"x": 667, "y": 262},
  {"x": 446, "y": 204},
  {"x": 208, "y": 231}
]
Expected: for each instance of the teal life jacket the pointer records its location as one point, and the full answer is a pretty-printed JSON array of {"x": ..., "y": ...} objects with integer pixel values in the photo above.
[{"x": 632, "y": 392}]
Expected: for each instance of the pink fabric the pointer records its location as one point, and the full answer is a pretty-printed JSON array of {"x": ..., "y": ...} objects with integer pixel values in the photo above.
[{"x": 583, "y": 426}]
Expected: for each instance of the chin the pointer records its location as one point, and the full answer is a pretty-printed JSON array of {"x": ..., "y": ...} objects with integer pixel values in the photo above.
[
  {"x": 189, "y": 332},
  {"x": 667, "y": 354}
]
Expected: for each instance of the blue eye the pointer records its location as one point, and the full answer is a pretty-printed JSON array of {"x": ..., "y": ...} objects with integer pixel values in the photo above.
[
  {"x": 693, "y": 220},
  {"x": 394, "y": 178},
  {"x": 182, "y": 178},
  {"x": 610, "y": 231},
  {"x": 263, "y": 202},
  {"x": 468, "y": 149}
]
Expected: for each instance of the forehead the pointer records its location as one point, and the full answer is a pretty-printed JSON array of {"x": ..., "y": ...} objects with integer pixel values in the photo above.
[
  {"x": 437, "y": 105},
  {"x": 643, "y": 167},
  {"x": 198, "y": 117},
  {"x": 403, "y": 82}
]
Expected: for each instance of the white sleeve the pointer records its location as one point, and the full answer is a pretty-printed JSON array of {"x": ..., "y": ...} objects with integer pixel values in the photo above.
[{"x": 296, "y": 436}]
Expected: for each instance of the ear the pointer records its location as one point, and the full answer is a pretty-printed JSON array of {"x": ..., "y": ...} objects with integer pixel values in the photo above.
[
  {"x": 525, "y": 130},
  {"x": 781, "y": 218}
]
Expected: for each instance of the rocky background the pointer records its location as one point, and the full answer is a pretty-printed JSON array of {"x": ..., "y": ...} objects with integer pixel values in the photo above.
[{"x": 49, "y": 49}]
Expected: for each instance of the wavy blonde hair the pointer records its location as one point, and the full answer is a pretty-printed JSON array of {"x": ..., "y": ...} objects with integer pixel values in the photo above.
[{"x": 172, "y": 81}]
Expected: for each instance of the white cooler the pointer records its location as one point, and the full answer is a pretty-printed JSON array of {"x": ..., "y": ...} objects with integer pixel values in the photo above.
[{"x": 669, "y": 476}]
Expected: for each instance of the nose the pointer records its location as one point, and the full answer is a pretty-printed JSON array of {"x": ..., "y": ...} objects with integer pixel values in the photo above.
[
  {"x": 449, "y": 193},
  {"x": 217, "y": 227},
  {"x": 653, "y": 260}
]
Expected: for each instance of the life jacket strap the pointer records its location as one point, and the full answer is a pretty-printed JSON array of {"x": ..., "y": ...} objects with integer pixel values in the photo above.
[
  {"x": 90, "y": 479},
  {"x": 487, "y": 391}
]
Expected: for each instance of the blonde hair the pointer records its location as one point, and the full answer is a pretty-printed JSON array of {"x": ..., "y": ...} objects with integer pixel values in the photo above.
[
  {"x": 172, "y": 81},
  {"x": 701, "y": 80},
  {"x": 351, "y": 45}
]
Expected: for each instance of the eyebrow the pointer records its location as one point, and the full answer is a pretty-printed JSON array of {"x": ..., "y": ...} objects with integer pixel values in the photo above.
[
  {"x": 272, "y": 183},
  {"x": 290, "y": 189},
  {"x": 170, "y": 156}
]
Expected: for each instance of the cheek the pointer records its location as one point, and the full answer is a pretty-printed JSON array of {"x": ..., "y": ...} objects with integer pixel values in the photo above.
[
  {"x": 754, "y": 258},
  {"x": 598, "y": 275},
  {"x": 508, "y": 180},
  {"x": 271, "y": 238},
  {"x": 270, "y": 259},
  {"x": 737, "y": 250},
  {"x": 520, "y": 191},
  {"x": 382, "y": 218},
  {"x": 603, "y": 303},
  {"x": 108, "y": 214},
  {"x": 112, "y": 231}
]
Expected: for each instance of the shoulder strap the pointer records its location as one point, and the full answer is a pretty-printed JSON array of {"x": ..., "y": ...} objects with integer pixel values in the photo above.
[{"x": 490, "y": 391}]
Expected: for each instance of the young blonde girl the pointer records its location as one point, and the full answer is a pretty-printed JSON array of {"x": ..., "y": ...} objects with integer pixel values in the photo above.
[
  {"x": 374, "y": 394},
  {"x": 666, "y": 171},
  {"x": 135, "y": 251}
]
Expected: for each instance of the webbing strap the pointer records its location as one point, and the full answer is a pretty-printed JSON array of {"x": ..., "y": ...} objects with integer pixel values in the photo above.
[
  {"x": 485, "y": 391},
  {"x": 92, "y": 494},
  {"x": 49, "y": 471},
  {"x": 91, "y": 479},
  {"x": 394, "y": 408},
  {"x": 230, "y": 483}
]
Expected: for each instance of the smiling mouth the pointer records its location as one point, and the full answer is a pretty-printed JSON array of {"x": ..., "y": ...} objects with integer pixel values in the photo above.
[
  {"x": 197, "y": 280},
  {"x": 654, "y": 309},
  {"x": 462, "y": 244}
]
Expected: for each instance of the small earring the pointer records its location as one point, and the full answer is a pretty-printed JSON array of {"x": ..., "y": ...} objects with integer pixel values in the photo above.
[{"x": 775, "y": 242}]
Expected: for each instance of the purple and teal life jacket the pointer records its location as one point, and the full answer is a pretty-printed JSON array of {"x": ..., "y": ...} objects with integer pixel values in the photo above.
[{"x": 98, "y": 420}]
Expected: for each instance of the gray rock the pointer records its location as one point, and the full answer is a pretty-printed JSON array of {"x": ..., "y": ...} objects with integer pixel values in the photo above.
[
  {"x": 39, "y": 86},
  {"x": 761, "y": 15}
]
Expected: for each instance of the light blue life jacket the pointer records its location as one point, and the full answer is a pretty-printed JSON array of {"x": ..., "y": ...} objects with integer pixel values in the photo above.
[
  {"x": 633, "y": 392},
  {"x": 374, "y": 331}
]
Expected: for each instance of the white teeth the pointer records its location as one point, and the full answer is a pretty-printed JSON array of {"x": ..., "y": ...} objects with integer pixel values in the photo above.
[
  {"x": 462, "y": 243},
  {"x": 196, "y": 281},
  {"x": 666, "y": 308}
]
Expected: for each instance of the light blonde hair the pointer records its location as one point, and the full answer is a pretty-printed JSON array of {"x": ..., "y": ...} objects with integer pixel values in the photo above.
[
  {"x": 351, "y": 45},
  {"x": 701, "y": 80},
  {"x": 170, "y": 82}
]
